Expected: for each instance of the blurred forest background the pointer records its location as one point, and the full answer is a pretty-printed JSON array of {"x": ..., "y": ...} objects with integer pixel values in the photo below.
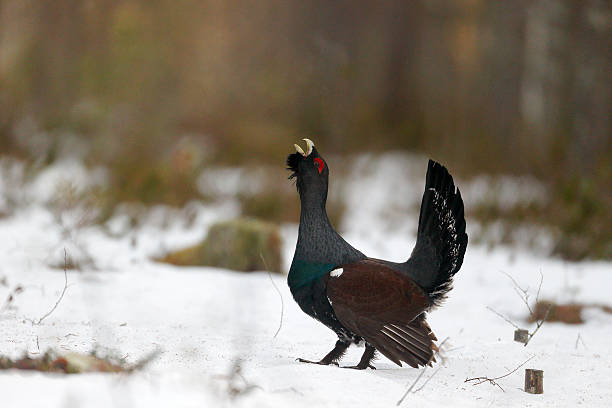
[{"x": 157, "y": 91}]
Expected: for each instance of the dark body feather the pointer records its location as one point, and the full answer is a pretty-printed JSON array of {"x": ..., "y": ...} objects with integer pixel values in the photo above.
[
  {"x": 382, "y": 305},
  {"x": 361, "y": 298}
]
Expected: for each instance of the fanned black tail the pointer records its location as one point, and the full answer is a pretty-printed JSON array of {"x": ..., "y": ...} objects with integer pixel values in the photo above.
[{"x": 441, "y": 239}]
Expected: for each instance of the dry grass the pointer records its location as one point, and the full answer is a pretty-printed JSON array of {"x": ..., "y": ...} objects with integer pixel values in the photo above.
[
  {"x": 569, "y": 313},
  {"x": 72, "y": 363},
  {"x": 576, "y": 215},
  {"x": 129, "y": 82}
]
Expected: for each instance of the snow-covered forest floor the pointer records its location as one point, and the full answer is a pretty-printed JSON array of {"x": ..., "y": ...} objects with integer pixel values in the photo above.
[{"x": 215, "y": 329}]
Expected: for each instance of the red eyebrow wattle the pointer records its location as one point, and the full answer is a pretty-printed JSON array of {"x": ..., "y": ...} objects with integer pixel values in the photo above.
[{"x": 319, "y": 163}]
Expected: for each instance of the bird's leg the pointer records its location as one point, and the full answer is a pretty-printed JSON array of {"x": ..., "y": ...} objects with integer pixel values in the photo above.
[
  {"x": 366, "y": 359},
  {"x": 333, "y": 356}
]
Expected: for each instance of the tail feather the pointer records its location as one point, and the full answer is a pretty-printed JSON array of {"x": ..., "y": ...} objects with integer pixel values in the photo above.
[
  {"x": 411, "y": 343},
  {"x": 441, "y": 239}
]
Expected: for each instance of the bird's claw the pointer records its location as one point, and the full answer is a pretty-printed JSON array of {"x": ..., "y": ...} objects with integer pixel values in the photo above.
[
  {"x": 301, "y": 360},
  {"x": 358, "y": 367}
]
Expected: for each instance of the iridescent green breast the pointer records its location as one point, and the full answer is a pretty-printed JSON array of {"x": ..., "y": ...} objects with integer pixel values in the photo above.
[{"x": 304, "y": 272}]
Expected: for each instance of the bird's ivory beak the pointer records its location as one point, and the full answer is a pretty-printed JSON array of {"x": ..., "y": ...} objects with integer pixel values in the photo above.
[
  {"x": 309, "y": 146},
  {"x": 299, "y": 150}
]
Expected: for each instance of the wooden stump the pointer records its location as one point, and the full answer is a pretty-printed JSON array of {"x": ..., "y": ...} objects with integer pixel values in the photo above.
[
  {"x": 534, "y": 381},
  {"x": 521, "y": 335}
]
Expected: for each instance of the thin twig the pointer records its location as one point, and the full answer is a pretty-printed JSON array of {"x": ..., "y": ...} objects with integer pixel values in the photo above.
[
  {"x": 280, "y": 295},
  {"x": 517, "y": 288},
  {"x": 579, "y": 339},
  {"x": 427, "y": 380},
  {"x": 514, "y": 282},
  {"x": 503, "y": 317},
  {"x": 539, "y": 324},
  {"x": 524, "y": 295},
  {"x": 539, "y": 286},
  {"x": 411, "y": 386},
  {"x": 144, "y": 361},
  {"x": 39, "y": 321},
  {"x": 493, "y": 381},
  {"x": 11, "y": 298},
  {"x": 234, "y": 387},
  {"x": 441, "y": 350},
  {"x": 439, "y": 353}
]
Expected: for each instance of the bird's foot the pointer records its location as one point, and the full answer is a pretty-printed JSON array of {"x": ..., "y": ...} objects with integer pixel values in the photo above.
[
  {"x": 366, "y": 359},
  {"x": 322, "y": 362},
  {"x": 361, "y": 367}
]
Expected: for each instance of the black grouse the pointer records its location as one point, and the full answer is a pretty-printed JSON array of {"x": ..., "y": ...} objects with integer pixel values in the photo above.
[{"x": 364, "y": 299}]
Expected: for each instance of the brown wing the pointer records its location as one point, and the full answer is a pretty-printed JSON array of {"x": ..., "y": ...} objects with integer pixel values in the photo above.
[{"x": 385, "y": 308}]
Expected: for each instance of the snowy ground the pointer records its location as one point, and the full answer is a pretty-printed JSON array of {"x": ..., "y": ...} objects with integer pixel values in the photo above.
[{"x": 205, "y": 320}]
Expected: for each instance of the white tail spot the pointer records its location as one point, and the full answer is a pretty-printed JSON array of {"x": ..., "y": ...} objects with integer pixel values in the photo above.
[{"x": 336, "y": 273}]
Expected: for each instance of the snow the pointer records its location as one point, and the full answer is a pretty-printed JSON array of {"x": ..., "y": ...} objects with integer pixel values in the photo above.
[
  {"x": 70, "y": 172},
  {"x": 229, "y": 181},
  {"x": 203, "y": 321}
]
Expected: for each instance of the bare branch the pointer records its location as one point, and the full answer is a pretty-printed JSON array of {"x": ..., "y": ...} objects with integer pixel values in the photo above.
[
  {"x": 143, "y": 362},
  {"x": 427, "y": 380},
  {"x": 11, "y": 298},
  {"x": 540, "y": 323},
  {"x": 516, "y": 285},
  {"x": 440, "y": 353},
  {"x": 39, "y": 321},
  {"x": 579, "y": 339},
  {"x": 411, "y": 386},
  {"x": 493, "y": 381},
  {"x": 503, "y": 317},
  {"x": 280, "y": 295},
  {"x": 237, "y": 384},
  {"x": 539, "y": 286},
  {"x": 525, "y": 298},
  {"x": 524, "y": 293}
]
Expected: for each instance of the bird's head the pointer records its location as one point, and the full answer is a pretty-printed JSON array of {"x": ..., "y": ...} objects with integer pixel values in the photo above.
[{"x": 310, "y": 171}]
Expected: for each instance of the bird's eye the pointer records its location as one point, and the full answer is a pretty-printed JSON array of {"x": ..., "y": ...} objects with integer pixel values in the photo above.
[{"x": 319, "y": 163}]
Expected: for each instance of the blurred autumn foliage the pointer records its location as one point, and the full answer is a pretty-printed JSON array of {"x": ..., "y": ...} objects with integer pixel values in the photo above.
[{"x": 157, "y": 90}]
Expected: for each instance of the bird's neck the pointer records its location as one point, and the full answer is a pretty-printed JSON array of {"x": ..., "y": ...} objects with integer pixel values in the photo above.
[
  {"x": 313, "y": 215},
  {"x": 319, "y": 248},
  {"x": 315, "y": 230}
]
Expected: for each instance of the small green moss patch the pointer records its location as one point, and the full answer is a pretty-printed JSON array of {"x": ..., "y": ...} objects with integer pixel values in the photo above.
[{"x": 238, "y": 244}]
